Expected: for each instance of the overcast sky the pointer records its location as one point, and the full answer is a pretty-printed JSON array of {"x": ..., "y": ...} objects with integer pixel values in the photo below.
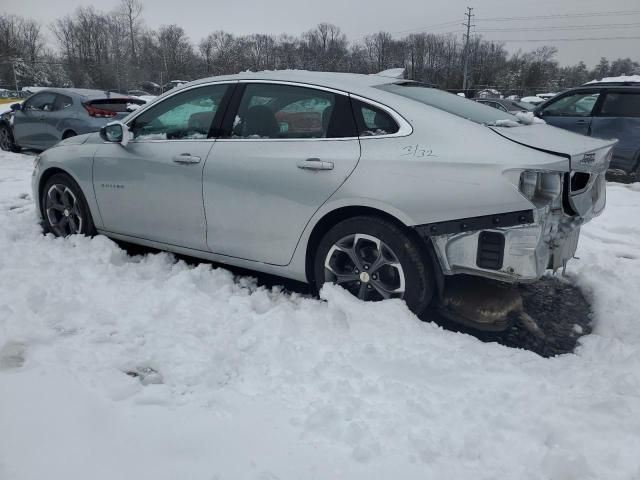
[{"x": 359, "y": 17}]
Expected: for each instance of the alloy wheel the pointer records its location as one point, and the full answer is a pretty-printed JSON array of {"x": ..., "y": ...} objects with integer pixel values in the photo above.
[
  {"x": 366, "y": 267},
  {"x": 63, "y": 211}
]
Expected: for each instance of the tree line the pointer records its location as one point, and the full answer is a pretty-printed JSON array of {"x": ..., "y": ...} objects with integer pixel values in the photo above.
[{"x": 107, "y": 50}]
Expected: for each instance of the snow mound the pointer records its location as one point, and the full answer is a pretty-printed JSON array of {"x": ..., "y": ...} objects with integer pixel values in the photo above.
[{"x": 147, "y": 367}]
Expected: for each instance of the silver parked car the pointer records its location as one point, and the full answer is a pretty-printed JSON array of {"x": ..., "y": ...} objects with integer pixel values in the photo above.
[
  {"x": 54, "y": 114},
  {"x": 384, "y": 186}
]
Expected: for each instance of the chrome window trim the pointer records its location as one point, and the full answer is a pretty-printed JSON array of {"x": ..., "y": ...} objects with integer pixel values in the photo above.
[{"x": 404, "y": 129}]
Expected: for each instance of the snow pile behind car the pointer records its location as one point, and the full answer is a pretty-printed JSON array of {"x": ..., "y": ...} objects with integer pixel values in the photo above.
[{"x": 114, "y": 366}]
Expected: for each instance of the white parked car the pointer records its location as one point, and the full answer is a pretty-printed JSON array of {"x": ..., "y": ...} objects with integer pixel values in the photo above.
[{"x": 382, "y": 185}]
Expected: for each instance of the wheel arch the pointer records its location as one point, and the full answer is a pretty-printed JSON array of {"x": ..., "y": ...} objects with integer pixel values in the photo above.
[
  {"x": 67, "y": 131},
  {"x": 46, "y": 175},
  {"x": 337, "y": 215}
]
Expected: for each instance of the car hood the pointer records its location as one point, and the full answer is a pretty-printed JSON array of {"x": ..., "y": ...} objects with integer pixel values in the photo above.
[
  {"x": 586, "y": 154},
  {"x": 79, "y": 139}
]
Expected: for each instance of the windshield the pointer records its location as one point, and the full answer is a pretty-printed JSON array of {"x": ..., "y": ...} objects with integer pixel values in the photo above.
[
  {"x": 451, "y": 103},
  {"x": 524, "y": 106}
]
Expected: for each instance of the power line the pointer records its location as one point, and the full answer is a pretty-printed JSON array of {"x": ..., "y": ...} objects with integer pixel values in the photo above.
[
  {"x": 568, "y": 27},
  {"x": 428, "y": 27},
  {"x": 512, "y": 40},
  {"x": 567, "y": 15}
]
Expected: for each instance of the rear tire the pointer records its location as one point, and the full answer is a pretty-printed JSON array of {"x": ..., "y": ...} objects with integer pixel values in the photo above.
[
  {"x": 375, "y": 259},
  {"x": 68, "y": 134},
  {"x": 64, "y": 208}
]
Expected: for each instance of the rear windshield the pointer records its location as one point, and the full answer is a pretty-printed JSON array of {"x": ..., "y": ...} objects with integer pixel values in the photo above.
[
  {"x": 119, "y": 105},
  {"x": 451, "y": 103}
]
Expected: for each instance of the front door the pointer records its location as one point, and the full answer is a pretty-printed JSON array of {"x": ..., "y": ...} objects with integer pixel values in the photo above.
[
  {"x": 30, "y": 124},
  {"x": 289, "y": 149},
  {"x": 572, "y": 111},
  {"x": 152, "y": 188}
]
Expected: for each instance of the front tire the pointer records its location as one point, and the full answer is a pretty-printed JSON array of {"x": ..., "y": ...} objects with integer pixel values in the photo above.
[
  {"x": 64, "y": 208},
  {"x": 7, "y": 142},
  {"x": 374, "y": 259}
]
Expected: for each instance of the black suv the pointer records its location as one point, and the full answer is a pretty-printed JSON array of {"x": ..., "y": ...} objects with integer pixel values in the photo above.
[{"x": 603, "y": 110}]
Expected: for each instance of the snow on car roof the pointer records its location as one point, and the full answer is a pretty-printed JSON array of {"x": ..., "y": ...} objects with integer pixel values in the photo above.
[
  {"x": 534, "y": 99},
  {"x": 339, "y": 81},
  {"x": 619, "y": 79}
]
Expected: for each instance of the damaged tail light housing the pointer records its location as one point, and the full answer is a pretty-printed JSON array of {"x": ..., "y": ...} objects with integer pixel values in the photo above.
[{"x": 540, "y": 187}]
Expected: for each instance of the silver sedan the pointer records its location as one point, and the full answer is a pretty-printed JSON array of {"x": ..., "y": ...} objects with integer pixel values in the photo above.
[{"x": 384, "y": 186}]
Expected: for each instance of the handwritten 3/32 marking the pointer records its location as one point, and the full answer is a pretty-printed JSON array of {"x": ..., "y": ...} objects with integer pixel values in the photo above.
[{"x": 416, "y": 151}]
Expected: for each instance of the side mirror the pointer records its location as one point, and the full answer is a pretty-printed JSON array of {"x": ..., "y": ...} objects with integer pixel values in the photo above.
[
  {"x": 538, "y": 112},
  {"x": 116, "y": 132},
  {"x": 15, "y": 107}
]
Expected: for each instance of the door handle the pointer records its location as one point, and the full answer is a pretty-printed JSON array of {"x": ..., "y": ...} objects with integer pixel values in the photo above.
[
  {"x": 186, "y": 158},
  {"x": 582, "y": 122},
  {"x": 315, "y": 164}
]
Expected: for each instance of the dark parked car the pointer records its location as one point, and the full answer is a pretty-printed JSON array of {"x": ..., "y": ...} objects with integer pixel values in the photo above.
[
  {"x": 57, "y": 113},
  {"x": 602, "y": 110},
  {"x": 505, "y": 105}
]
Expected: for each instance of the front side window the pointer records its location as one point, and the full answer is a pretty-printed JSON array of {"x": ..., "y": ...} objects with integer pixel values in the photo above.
[
  {"x": 42, "y": 102},
  {"x": 576, "y": 105},
  {"x": 185, "y": 116},
  {"x": 621, "y": 104},
  {"x": 373, "y": 121},
  {"x": 288, "y": 111}
]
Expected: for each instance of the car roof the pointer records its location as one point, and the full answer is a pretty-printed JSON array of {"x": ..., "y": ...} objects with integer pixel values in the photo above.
[
  {"x": 350, "y": 82},
  {"x": 626, "y": 85},
  {"x": 85, "y": 93}
]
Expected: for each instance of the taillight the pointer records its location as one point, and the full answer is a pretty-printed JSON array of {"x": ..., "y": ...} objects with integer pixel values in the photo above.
[{"x": 98, "y": 112}]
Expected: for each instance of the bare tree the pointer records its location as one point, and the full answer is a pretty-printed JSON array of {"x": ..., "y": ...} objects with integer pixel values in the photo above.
[{"x": 131, "y": 10}]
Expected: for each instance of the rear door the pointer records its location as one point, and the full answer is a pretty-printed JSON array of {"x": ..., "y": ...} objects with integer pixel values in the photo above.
[
  {"x": 30, "y": 127},
  {"x": 572, "y": 111},
  {"x": 152, "y": 188},
  {"x": 288, "y": 149},
  {"x": 619, "y": 117}
]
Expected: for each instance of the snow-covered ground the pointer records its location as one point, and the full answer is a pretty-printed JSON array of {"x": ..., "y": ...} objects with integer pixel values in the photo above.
[{"x": 240, "y": 382}]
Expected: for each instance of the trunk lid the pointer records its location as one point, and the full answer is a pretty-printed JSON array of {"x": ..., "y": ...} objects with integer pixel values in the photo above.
[{"x": 586, "y": 154}]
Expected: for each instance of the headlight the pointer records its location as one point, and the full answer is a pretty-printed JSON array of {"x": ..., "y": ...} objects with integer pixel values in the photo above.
[{"x": 541, "y": 188}]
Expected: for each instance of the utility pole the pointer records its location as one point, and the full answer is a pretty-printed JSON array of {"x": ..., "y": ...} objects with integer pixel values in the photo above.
[
  {"x": 15, "y": 77},
  {"x": 466, "y": 37}
]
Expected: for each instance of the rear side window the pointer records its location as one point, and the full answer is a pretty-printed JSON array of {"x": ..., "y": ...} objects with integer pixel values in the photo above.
[
  {"x": 373, "y": 121},
  {"x": 281, "y": 111},
  {"x": 621, "y": 104},
  {"x": 62, "y": 102}
]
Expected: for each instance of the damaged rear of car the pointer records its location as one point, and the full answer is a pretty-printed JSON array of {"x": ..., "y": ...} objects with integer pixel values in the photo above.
[{"x": 499, "y": 196}]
